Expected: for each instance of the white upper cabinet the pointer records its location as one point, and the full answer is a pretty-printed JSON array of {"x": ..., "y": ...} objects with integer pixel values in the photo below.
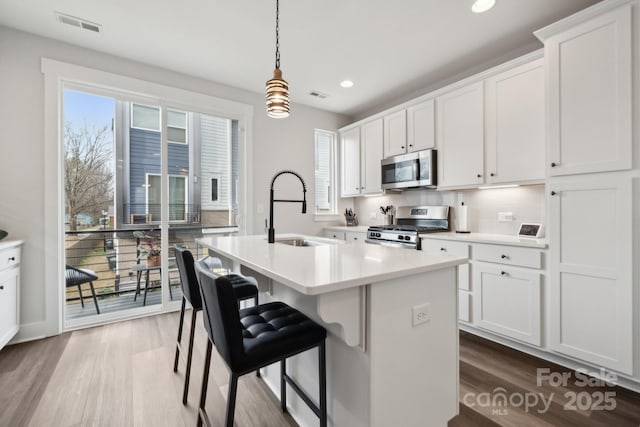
[
  {"x": 360, "y": 161},
  {"x": 515, "y": 125},
  {"x": 395, "y": 133},
  {"x": 421, "y": 126},
  {"x": 371, "y": 156},
  {"x": 460, "y": 137},
  {"x": 350, "y": 163},
  {"x": 591, "y": 270},
  {"x": 589, "y": 72}
]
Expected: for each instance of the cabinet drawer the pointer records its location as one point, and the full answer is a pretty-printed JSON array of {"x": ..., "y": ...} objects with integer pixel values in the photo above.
[
  {"x": 355, "y": 236},
  {"x": 9, "y": 257},
  {"x": 464, "y": 306},
  {"x": 334, "y": 234},
  {"x": 453, "y": 248},
  {"x": 509, "y": 255},
  {"x": 8, "y": 305}
]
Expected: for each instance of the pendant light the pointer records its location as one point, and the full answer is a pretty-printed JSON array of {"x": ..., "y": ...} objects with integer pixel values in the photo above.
[{"x": 277, "y": 89}]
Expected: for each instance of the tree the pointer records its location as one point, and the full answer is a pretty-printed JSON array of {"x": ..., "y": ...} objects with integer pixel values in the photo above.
[{"x": 88, "y": 177}]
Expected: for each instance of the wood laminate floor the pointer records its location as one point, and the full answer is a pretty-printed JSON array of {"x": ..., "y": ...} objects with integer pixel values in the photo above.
[{"x": 121, "y": 375}]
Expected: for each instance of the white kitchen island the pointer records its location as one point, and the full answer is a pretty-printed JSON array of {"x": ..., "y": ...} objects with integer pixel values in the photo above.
[{"x": 391, "y": 313}]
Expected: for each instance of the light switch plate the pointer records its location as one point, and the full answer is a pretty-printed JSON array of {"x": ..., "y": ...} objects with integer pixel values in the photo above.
[{"x": 421, "y": 313}]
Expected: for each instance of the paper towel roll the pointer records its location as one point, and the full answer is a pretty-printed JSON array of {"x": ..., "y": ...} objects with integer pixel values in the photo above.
[{"x": 462, "y": 223}]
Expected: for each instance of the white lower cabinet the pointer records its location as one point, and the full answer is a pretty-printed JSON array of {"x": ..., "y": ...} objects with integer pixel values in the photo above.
[
  {"x": 507, "y": 300},
  {"x": 9, "y": 291},
  {"x": 464, "y": 284}
]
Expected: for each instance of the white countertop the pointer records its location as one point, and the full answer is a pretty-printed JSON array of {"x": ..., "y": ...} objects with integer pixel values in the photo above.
[
  {"x": 498, "y": 239},
  {"x": 315, "y": 270}
]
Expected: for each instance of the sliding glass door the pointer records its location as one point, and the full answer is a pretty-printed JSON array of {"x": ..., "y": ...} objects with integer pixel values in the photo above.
[{"x": 139, "y": 178}]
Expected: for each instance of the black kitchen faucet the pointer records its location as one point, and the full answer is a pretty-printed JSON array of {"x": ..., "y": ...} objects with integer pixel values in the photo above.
[{"x": 272, "y": 232}]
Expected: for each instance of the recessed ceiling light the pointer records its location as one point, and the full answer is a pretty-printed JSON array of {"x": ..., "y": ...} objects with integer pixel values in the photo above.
[
  {"x": 346, "y": 83},
  {"x": 482, "y": 5}
]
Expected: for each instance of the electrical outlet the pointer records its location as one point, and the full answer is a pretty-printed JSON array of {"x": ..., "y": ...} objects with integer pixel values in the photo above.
[
  {"x": 421, "y": 313},
  {"x": 505, "y": 216}
]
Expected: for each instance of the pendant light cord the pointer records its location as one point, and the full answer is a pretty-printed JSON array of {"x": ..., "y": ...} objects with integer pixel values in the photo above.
[{"x": 277, "y": 34}]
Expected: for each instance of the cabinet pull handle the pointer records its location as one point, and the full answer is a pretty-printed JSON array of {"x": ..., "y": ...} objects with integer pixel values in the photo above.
[
  {"x": 503, "y": 273},
  {"x": 479, "y": 175},
  {"x": 503, "y": 256},
  {"x": 12, "y": 258},
  {"x": 554, "y": 164},
  {"x": 553, "y": 193},
  {"x": 355, "y": 238}
]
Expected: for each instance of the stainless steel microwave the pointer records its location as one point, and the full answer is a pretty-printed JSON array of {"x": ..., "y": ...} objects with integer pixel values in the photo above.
[{"x": 410, "y": 170}]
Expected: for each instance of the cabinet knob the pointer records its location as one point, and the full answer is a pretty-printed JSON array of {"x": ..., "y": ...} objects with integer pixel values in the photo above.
[
  {"x": 553, "y": 193},
  {"x": 492, "y": 174},
  {"x": 410, "y": 145},
  {"x": 479, "y": 175},
  {"x": 355, "y": 238},
  {"x": 12, "y": 258},
  {"x": 503, "y": 256},
  {"x": 402, "y": 146},
  {"x": 1, "y": 287},
  {"x": 554, "y": 164},
  {"x": 503, "y": 273},
  {"x": 443, "y": 250}
]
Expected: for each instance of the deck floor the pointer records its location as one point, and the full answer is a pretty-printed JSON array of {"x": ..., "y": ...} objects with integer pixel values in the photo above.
[{"x": 122, "y": 302}]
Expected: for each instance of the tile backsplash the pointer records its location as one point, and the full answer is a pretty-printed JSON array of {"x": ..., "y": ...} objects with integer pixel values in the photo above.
[{"x": 525, "y": 203}]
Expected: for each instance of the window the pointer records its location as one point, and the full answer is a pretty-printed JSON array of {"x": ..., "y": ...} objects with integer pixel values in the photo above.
[
  {"x": 145, "y": 117},
  {"x": 177, "y": 197},
  {"x": 177, "y": 127},
  {"x": 325, "y": 148}
]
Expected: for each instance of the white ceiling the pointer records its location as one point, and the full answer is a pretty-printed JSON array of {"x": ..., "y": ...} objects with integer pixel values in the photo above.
[{"x": 388, "y": 48}]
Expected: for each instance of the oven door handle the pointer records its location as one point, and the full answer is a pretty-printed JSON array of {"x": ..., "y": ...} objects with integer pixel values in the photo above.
[{"x": 392, "y": 244}]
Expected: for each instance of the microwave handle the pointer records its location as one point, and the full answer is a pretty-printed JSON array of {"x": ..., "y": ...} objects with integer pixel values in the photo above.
[{"x": 416, "y": 169}]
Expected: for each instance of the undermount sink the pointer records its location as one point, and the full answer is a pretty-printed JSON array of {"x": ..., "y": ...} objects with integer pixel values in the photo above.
[{"x": 302, "y": 242}]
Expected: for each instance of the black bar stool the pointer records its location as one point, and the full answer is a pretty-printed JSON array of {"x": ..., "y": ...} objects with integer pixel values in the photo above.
[
  {"x": 254, "y": 337},
  {"x": 243, "y": 288}
]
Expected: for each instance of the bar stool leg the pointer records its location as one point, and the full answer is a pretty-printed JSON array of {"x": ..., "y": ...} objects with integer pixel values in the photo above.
[
  {"x": 283, "y": 385},
  {"x": 322, "y": 363},
  {"x": 231, "y": 399},
  {"x": 175, "y": 361},
  {"x": 187, "y": 374},
  {"x": 205, "y": 383},
  {"x": 146, "y": 288}
]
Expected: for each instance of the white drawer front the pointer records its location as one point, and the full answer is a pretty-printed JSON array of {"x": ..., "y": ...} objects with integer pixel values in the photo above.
[
  {"x": 355, "y": 236},
  {"x": 9, "y": 257},
  {"x": 453, "y": 248},
  {"x": 509, "y": 255},
  {"x": 334, "y": 234}
]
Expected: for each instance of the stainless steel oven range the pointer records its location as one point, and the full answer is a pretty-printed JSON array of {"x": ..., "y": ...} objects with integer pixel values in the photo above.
[{"x": 411, "y": 223}]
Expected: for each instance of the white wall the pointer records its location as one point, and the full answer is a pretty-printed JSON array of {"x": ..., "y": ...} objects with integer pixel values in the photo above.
[
  {"x": 527, "y": 203},
  {"x": 277, "y": 144}
]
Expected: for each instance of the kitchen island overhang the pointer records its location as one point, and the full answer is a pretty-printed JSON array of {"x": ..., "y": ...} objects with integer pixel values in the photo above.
[{"x": 392, "y": 318}]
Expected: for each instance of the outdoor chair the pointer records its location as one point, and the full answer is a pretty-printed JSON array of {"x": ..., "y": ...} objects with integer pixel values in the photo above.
[{"x": 77, "y": 277}]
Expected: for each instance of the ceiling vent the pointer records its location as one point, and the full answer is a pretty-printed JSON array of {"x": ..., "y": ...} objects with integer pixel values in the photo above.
[
  {"x": 78, "y": 22},
  {"x": 317, "y": 94}
]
